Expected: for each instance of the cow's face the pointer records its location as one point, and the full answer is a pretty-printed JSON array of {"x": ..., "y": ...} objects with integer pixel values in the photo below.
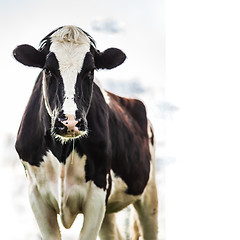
[
  {"x": 68, "y": 62},
  {"x": 67, "y": 82}
]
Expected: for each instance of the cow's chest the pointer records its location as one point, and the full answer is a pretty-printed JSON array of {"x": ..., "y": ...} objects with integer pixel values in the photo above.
[{"x": 64, "y": 186}]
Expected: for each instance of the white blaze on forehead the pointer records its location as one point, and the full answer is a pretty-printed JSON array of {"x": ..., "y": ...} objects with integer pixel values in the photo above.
[{"x": 70, "y": 45}]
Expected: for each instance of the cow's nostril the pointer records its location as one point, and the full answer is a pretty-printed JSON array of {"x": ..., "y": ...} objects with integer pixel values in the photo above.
[
  {"x": 59, "y": 127},
  {"x": 81, "y": 124},
  {"x": 62, "y": 119}
]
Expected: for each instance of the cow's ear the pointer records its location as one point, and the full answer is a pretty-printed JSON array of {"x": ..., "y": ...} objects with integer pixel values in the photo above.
[
  {"x": 29, "y": 56},
  {"x": 110, "y": 58}
]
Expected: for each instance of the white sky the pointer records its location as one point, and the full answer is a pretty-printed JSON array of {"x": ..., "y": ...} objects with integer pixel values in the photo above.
[{"x": 202, "y": 80}]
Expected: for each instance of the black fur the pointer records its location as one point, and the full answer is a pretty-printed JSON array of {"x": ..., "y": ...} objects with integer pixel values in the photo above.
[
  {"x": 109, "y": 59},
  {"x": 29, "y": 56}
]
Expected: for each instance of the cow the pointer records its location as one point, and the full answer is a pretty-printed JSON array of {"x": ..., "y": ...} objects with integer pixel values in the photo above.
[{"x": 85, "y": 150}]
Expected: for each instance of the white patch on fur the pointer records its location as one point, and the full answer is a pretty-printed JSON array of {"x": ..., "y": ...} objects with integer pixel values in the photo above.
[
  {"x": 70, "y": 46},
  {"x": 74, "y": 189},
  {"x": 104, "y": 93},
  {"x": 94, "y": 211},
  {"x": 152, "y": 151},
  {"x": 45, "y": 178},
  {"x": 106, "y": 96},
  {"x": 118, "y": 198},
  {"x": 107, "y": 181},
  {"x": 44, "y": 87}
]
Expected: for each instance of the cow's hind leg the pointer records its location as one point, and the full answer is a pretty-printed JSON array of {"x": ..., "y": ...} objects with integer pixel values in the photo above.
[
  {"x": 146, "y": 207},
  {"x": 109, "y": 229},
  {"x": 147, "y": 213},
  {"x": 135, "y": 231},
  {"x": 46, "y": 216}
]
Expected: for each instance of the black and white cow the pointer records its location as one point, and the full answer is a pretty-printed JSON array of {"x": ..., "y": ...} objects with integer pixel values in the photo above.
[{"x": 85, "y": 150}]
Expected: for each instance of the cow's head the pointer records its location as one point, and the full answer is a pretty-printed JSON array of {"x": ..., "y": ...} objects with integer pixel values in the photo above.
[{"x": 68, "y": 58}]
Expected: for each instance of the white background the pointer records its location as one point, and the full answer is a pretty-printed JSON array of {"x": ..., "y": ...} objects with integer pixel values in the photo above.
[{"x": 203, "y": 79}]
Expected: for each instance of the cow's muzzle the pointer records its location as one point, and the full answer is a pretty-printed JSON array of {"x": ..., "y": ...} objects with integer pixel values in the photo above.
[{"x": 69, "y": 127}]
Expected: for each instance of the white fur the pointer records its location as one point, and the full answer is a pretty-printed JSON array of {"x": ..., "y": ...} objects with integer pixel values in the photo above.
[
  {"x": 109, "y": 229},
  {"x": 94, "y": 211},
  {"x": 118, "y": 198},
  {"x": 70, "y": 46},
  {"x": 104, "y": 93},
  {"x": 106, "y": 96},
  {"x": 47, "y": 105},
  {"x": 57, "y": 188}
]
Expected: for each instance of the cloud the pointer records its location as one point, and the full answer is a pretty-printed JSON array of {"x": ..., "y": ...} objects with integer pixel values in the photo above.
[{"x": 107, "y": 25}]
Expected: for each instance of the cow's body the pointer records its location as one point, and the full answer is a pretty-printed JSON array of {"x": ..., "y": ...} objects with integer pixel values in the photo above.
[{"x": 98, "y": 173}]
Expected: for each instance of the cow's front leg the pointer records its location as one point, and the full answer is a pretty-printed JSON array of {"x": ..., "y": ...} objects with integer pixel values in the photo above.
[
  {"x": 94, "y": 211},
  {"x": 46, "y": 216}
]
